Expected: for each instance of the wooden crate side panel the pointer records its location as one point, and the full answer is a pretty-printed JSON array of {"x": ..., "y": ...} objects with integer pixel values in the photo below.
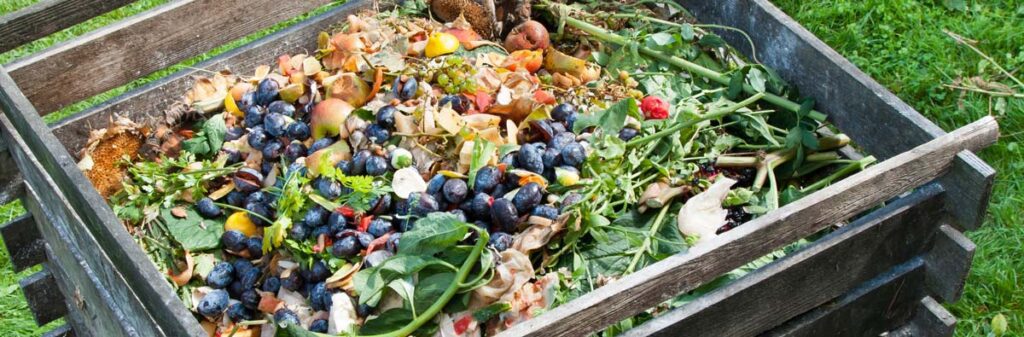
[
  {"x": 49, "y": 16},
  {"x": 882, "y": 304},
  {"x": 949, "y": 264},
  {"x": 153, "y": 99},
  {"x": 856, "y": 104},
  {"x": 836, "y": 263},
  {"x": 120, "y": 53},
  {"x": 679, "y": 273},
  {"x": 10, "y": 178},
  {"x": 25, "y": 246},
  {"x": 43, "y": 297},
  {"x": 100, "y": 291},
  {"x": 61, "y": 331}
]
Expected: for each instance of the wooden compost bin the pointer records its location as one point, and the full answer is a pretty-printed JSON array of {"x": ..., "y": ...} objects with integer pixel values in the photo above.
[{"x": 885, "y": 270}]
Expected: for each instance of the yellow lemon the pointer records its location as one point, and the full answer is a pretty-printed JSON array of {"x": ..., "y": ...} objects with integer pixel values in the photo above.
[
  {"x": 231, "y": 107},
  {"x": 239, "y": 221},
  {"x": 441, "y": 43}
]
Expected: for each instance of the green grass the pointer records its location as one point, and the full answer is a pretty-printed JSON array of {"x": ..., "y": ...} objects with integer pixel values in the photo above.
[{"x": 898, "y": 42}]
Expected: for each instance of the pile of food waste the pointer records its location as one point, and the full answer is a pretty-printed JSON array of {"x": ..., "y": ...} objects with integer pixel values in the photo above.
[{"x": 458, "y": 177}]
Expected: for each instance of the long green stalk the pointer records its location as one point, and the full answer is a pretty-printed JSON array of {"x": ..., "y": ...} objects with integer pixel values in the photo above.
[
  {"x": 610, "y": 37},
  {"x": 713, "y": 114}
]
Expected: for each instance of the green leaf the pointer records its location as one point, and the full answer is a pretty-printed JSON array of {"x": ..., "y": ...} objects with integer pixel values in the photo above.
[
  {"x": 483, "y": 150},
  {"x": 955, "y": 5},
  {"x": 610, "y": 147},
  {"x": 434, "y": 233},
  {"x": 295, "y": 330},
  {"x": 430, "y": 288},
  {"x": 197, "y": 145},
  {"x": 738, "y": 196},
  {"x": 193, "y": 232},
  {"x": 610, "y": 120},
  {"x": 486, "y": 313},
  {"x": 712, "y": 41},
  {"x": 370, "y": 283},
  {"x": 805, "y": 108},
  {"x": 756, "y": 79},
  {"x": 736, "y": 84},
  {"x": 215, "y": 130},
  {"x": 662, "y": 38},
  {"x": 686, "y": 31},
  {"x": 611, "y": 257},
  {"x": 387, "y": 322},
  {"x": 365, "y": 114}
]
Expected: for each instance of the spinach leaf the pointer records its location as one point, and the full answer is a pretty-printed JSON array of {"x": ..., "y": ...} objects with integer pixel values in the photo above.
[
  {"x": 386, "y": 322},
  {"x": 432, "y": 234},
  {"x": 430, "y": 288},
  {"x": 192, "y": 231},
  {"x": 610, "y": 120}
]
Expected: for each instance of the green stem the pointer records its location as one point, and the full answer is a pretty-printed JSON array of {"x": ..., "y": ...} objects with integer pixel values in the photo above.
[
  {"x": 714, "y": 114},
  {"x": 448, "y": 294},
  {"x": 607, "y": 36},
  {"x": 846, "y": 170},
  {"x": 655, "y": 227}
]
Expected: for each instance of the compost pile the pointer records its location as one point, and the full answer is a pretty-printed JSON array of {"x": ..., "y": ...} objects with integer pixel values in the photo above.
[{"x": 457, "y": 177}]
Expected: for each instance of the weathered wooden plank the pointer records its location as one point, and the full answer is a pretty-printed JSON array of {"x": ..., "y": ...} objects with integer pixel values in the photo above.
[
  {"x": 122, "y": 52},
  {"x": 93, "y": 223},
  {"x": 44, "y": 299},
  {"x": 836, "y": 263},
  {"x": 49, "y": 16},
  {"x": 880, "y": 305},
  {"x": 61, "y": 331},
  {"x": 10, "y": 179},
  {"x": 153, "y": 99},
  {"x": 667, "y": 278},
  {"x": 855, "y": 103},
  {"x": 949, "y": 264},
  {"x": 25, "y": 246},
  {"x": 931, "y": 320}
]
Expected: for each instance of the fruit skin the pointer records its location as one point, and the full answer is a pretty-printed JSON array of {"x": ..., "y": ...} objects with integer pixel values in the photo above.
[
  {"x": 480, "y": 206},
  {"x": 377, "y": 133},
  {"x": 275, "y": 124},
  {"x": 404, "y": 87},
  {"x": 238, "y": 312},
  {"x": 239, "y": 221},
  {"x": 271, "y": 284},
  {"x": 348, "y": 87},
  {"x": 213, "y": 304},
  {"x": 654, "y": 107},
  {"x": 531, "y": 159},
  {"x": 528, "y": 35},
  {"x": 255, "y": 247},
  {"x": 207, "y": 209},
  {"x": 551, "y": 157},
  {"x": 386, "y": 116},
  {"x": 331, "y": 155},
  {"x": 545, "y": 211},
  {"x": 329, "y": 117},
  {"x": 294, "y": 151},
  {"x": 359, "y": 162},
  {"x": 423, "y": 204},
  {"x": 266, "y": 92},
  {"x": 262, "y": 210},
  {"x": 569, "y": 200},
  {"x": 392, "y": 244},
  {"x": 233, "y": 240},
  {"x": 320, "y": 297},
  {"x": 257, "y": 138},
  {"x": 336, "y": 222},
  {"x": 272, "y": 151},
  {"x": 573, "y": 154},
  {"x": 346, "y": 247},
  {"x": 316, "y": 216},
  {"x": 436, "y": 184},
  {"x": 528, "y": 197},
  {"x": 293, "y": 282},
  {"x": 281, "y": 107},
  {"x": 220, "y": 276},
  {"x": 285, "y": 315},
  {"x": 441, "y": 44},
  {"x": 298, "y": 131},
  {"x": 626, "y": 134},
  {"x": 328, "y": 188},
  {"x": 504, "y": 214},
  {"x": 529, "y": 60},
  {"x": 487, "y": 178},
  {"x": 379, "y": 227},
  {"x": 318, "y": 326},
  {"x": 317, "y": 273},
  {"x": 299, "y": 231},
  {"x": 455, "y": 190},
  {"x": 500, "y": 241},
  {"x": 376, "y": 166},
  {"x": 320, "y": 144},
  {"x": 562, "y": 112},
  {"x": 250, "y": 299},
  {"x": 253, "y": 116}
]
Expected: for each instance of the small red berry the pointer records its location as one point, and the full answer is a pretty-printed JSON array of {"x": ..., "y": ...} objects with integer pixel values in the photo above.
[{"x": 654, "y": 107}]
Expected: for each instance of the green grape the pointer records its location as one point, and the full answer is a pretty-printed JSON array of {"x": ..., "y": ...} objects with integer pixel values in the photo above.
[{"x": 442, "y": 79}]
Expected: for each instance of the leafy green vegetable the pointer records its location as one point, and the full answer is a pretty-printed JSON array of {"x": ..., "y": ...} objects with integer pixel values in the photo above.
[
  {"x": 433, "y": 234},
  {"x": 486, "y": 313},
  {"x": 483, "y": 150},
  {"x": 370, "y": 283},
  {"x": 193, "y": 232},
  {"x": 209, "y": 138},
  {"x": 386, "y": 322},
  {"x": 610, "y": 120},
  {"x": 429, "y": 288}
]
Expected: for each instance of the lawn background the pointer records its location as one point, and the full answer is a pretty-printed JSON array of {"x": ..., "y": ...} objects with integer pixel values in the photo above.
[{"x": 900, "y": 43}]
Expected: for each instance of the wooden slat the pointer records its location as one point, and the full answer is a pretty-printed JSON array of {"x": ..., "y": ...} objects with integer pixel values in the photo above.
[
  {"x": 44, "y": 299},
  {"x": 880, "y": 305},
  {"x": 931, "y": 320},
  {"x": 61, "y": 331},
  {"x": 877, "y": 120},
  {"x": 122, "y": 52},
  {"x": 153, "y": 99},
  {"x": 97, "y": 301},
  {"x": 949, "y": 264},
  {"x": 10, "y": 179},
  {"x": 835, "y": 264},
  {"x": 25, "y": 246},
  {"x": 676, "y": 274},
  {"x": 47, "y": 17}
]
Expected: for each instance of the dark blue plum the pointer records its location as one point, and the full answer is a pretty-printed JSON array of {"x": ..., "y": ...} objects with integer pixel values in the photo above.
[
  {"x": 376, "y": 166},
  {"x": 318, "y": 272},
  {"x": 392, "y": 244},
  {"x": 458, "y": 103},
  {"x": 320, "y": 144},
  {"x": 545, "y": 211},
  {"x": 249, "y": 277},
  {"x": 320, "y": 297},
  {"x": 272, "y": 151},
  {"x": 292, "y": 282},
  {"x": 345, "y": 166},
  {"x": 436, "y": 184},
  {"x": 316, "y": 216},
  {"x": 328, "y": 188},
  {"x": 318, "y": 326},
  {"x": 247, "y": 100},
  {"x": 320, "y": 230},
  {"x": 381, "y": 204},
  {"x": 573, "y": 154},
  {"x": 423, "y": 204},
  {"x": 233, "y": 241},
  {"x": 237, "y": 312},
  {"x": 236, "y": 289},
  {"x": 266, "y": 92},
  {"x": 359, "y": 162},
  {"x": 500, "y": 241},
  {"x": 254, "y": 116},
  {"x": 562, "y": 112},
  {"x": 241, "y": 267},
  {"x": 208, "y": 209},
  {"x": 271, "y": 284},
  {"x": 530, "y": 158},
  {"x": 378, "y": 227},
  {"x": 299, "y": 231},
  {"x": 213, "y": 304},
  {"x": 480, "y": 206},
  {"x": 569, "y": 200},
  {"x": 460, "y": 214},
  {"x": 509, "y": 159},
  {"x": 364, "y": 238},
  {"x": 376, "y": 258},
  {"x": 281, "y": 107},
  {"x": 258, "y": 197},
  {"x": 627, "y": 134},
  {"x": 561, "y": 139},
  {"x": 336, "y": 222},
  {"x": 233, "y": 134},
  {"x": 255, "y": 247},
  {"x": 386, "y": 116},
  {"x": 262, "y": 210},
  {"x": 486, "y": 179},
  {"x": 234, "y": 157},
  {"x": 552, "y": 157},
  {"x": 557, "y": 127},
  {"x": 275, "y": 124},
  {"x": 220, "y": 276},
  {"x": 346, "y": 247},
  {"x": 257, "y": 138},
  {"x": 504, "y": 214},
  {"x": 294, "y": 150},
  {"x": 528, "y": 197},
  {"x": 250, "y": 299},
  {"x": 283, "y": 316},
  {"x": 455, "y": 190},
  {"x": 298, "y": 131},
  {"x": 377, "y": 133},
  {"x": 405, "y": 87}
]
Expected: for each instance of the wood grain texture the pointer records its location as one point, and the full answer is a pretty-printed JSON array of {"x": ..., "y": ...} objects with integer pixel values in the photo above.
[
  {"x": 949, "y": 264},
  {"x": 880, "y": 305},
  {"x": 702, "y": 263},
  {"x": 60, "y": 331},
  {"x": 840, "y": 261},
  {"x": 153, "y": 40},
  {"x": 25, "y": 246},
  {"x": 931, "y": 319},
  {"x": 153, "y": 99},
  {"x": 10, "y": 179},
  {"x": 47, "y": 17},
  {"x": 86, "y": 224},
  {"x": 44, "y": 299},
  {"x": 857, "y": 105}
]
